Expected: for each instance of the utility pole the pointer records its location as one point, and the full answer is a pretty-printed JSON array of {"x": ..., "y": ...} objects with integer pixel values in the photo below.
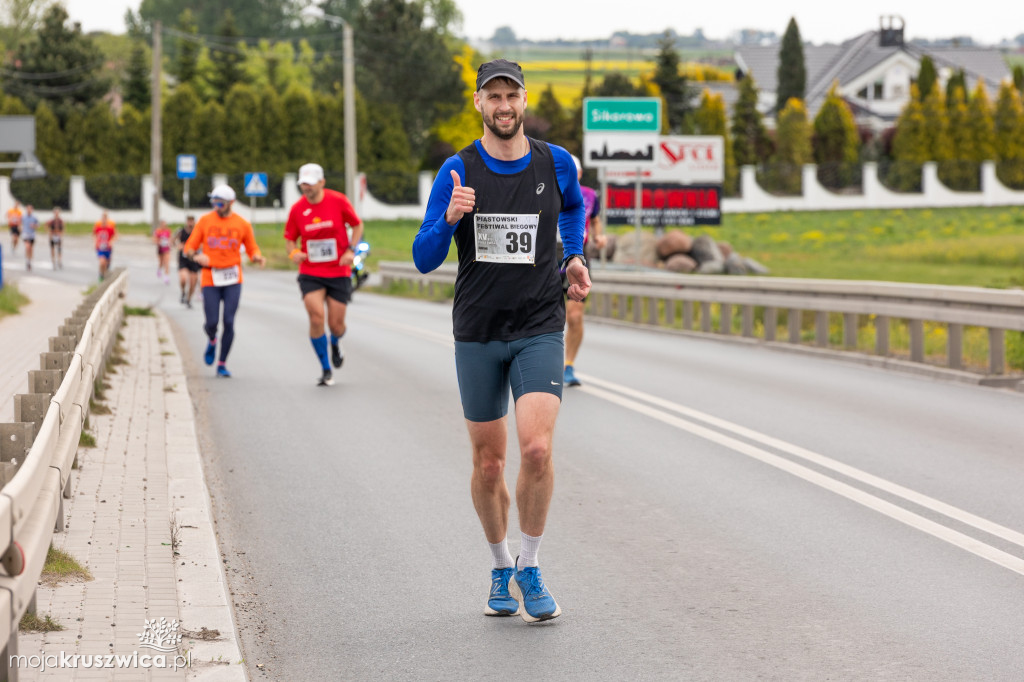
[
  {"x": 155, "y": 132},
  {"x": 349, "y": 79}
]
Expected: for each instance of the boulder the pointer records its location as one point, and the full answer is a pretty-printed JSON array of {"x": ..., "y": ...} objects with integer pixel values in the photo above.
[
  {"x": 711, "y": 267},
  {"x": 626, "y": 252},
  {"x": 705, "y": 250},
  {"x": 735, "y": 264},
  {"x": 680, "y": 262},
  {"x": 673, "y": 242},
  {"x": 726, "y": 249}
]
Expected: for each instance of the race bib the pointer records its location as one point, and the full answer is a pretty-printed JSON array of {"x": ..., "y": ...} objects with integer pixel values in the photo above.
[
  {"x": 223, "y": 277},
  {"x": 165, "y": 242},
  {"x": 322, "y": 250},
  {"x": 506, "y": 237}
]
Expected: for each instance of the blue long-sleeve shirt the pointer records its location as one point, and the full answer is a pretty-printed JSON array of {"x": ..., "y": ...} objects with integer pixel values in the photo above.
[{"x": 430, "y": 248}]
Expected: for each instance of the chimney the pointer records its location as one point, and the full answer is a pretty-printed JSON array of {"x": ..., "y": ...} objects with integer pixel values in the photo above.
[{"x": 890, "y": 32}]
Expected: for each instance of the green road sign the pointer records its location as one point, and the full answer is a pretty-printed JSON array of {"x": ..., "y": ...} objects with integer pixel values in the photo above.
[{"x": 622, "y": 114}]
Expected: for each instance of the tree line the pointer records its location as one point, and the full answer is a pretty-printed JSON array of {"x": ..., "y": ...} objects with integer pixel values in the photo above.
[{"x": 243, "y": 104}]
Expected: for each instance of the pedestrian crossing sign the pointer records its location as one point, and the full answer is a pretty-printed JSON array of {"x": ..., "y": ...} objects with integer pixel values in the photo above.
[{"x": 256, "y": 185}]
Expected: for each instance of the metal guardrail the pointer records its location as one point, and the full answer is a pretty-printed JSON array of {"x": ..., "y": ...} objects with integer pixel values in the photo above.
[
  {"x": 650, "y": 298},
  {"x": 43, "y": 441}
]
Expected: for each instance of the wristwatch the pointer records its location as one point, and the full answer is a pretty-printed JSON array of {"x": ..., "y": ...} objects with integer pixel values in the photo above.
[{"x": 565, "y": 261}]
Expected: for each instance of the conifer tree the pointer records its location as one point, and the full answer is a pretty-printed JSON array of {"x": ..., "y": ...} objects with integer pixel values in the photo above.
[
  {"x": 272, "y": 142},
  {"x": 1009, "y": 126},
  {"x": 836, "y": 142},
  {"x": 957, "y": 80},
  {"x": 676, "y": 93},
  {"x": 99, "y": 154},
  {"x": 926, "y": 78},
  {"x": 1018, "y": 77},
  {"x": 792, "y": 148},
  {"x": 909, "y": 146},
  {"x": 301, "y": 127},
  {"x": 51, "y": 145},
  {"x": 241, "y": 135},
  {"x": 137, "y": 84},
  {"x": 209, "y": 124},
  {"x": 937, "y": 132},
  {"x": 962, "y": 171},
  {"x": 330, "y": 112},
  {"x": 710, "y": 118},
  {"x": 750, "y": 142},
  {"x": 133, "y": 140},
  {"x": 981, "y": 125},
  {"x": 227, "y": 58},
  {"x": 186, "y": 62},
  {"x": 181, "y": 112},
  {"x": 791, "y": 74}
]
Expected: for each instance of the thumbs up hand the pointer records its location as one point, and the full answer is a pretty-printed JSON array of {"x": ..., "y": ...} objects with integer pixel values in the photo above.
[{"x": 462, "y": 201}]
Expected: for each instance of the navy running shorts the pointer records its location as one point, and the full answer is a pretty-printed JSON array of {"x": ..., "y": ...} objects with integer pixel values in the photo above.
[
  {"x": 487, "y": 371},
  {"x": 338, "y": 288}
]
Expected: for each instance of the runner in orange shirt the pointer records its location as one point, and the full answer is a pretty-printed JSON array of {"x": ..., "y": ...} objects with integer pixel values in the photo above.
[
  {"x": 106, "y": 233},
  {"x": 14, "y": 224},
  {"x": 220, "y": 234}
]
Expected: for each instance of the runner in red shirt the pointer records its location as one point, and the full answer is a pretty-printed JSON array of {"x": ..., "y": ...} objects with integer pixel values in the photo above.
[
  {"x": 318, "y": 241},
  {"x": 105, "y": 232}
]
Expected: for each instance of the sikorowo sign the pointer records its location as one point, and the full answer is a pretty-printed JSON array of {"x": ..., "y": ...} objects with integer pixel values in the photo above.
[{"x": 622, "y": 115}]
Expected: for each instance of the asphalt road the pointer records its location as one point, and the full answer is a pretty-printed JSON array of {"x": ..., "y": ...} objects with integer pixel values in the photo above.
[{"x": 720, "y": 512}]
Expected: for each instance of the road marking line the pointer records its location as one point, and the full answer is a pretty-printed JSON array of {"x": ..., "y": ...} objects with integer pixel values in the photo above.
[
  {"x": 861, "y": 497},
  {"x": 907, "y": 494}
]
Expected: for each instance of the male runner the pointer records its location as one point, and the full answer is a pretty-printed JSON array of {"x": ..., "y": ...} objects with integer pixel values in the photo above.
[
  {"x": 502, "y": 199},
  {"x": 106, "y": 233},
  {"x": 320, "y": 220},
  {"x": 14, "y": 224},
  {"x": 188, "y": 269},
  {"x": 220, "y": 234}
]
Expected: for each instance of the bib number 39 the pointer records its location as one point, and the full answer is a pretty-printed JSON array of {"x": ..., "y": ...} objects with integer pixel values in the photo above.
[{"x": 506, "y": 237}]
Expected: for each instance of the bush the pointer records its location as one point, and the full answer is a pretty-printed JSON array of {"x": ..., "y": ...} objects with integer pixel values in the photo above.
[
  {"x": 44, "y": 193},
  {"x": 115, "y": 191},
  {"x": 393, "y": 187}
]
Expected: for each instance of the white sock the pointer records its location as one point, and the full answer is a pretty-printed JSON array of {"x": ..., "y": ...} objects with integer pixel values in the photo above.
[
  {"x": 528, "y": 548},
  {"x": 500, "y": 556}
]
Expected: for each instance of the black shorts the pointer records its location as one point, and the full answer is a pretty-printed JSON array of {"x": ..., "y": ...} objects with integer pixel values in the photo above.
[
  {"x": 15, "y": 230},
  {"x": 187, "y": 263},
  {"x": 338, "y": 288}
]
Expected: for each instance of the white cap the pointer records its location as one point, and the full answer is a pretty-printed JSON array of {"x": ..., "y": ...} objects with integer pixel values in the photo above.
[
  {"x": 579, "y": 166},
  {"x": 310, "y": 174},
  {"x": 222, "y": 192}
]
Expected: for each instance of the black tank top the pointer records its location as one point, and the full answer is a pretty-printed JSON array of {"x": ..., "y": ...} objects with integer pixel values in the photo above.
[{"x": 506, "y": 301}]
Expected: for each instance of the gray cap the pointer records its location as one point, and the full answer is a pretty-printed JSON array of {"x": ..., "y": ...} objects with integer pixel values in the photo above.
[{"x": 499, "y": 68}]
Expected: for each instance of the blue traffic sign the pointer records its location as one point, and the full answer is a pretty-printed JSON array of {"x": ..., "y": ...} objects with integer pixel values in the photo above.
[
  {"x": 187, "y": 166},
  {"x": 256, "y": 185}
]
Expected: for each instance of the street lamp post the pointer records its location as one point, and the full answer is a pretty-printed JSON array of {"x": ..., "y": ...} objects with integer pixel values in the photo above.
[{"x": 349, "y": 84}]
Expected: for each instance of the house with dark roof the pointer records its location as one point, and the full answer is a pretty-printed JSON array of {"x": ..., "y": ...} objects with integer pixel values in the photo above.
[{"x": 873, "y": 70}]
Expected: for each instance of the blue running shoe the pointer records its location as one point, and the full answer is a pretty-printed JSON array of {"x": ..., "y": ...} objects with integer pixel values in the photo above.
[
  {"x": 211, "y": 353},
  {"x": 528, "y": 589},
  {"x": 500, "y": 602},
  {"x": 222, "y": 371},
  {"x": 569, "y": 377}
]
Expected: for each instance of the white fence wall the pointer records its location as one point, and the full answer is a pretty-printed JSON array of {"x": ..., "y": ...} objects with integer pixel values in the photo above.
[{"x": 754, "y": 199}]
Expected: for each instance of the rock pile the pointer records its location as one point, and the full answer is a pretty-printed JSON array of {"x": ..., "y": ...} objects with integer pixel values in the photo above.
[{"x": 677, "y": 251}]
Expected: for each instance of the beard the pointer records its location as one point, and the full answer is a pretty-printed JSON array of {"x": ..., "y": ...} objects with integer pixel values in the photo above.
[{"x": 517, "y": 123}]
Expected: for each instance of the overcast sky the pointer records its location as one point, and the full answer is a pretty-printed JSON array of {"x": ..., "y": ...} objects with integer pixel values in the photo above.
[{"x": 987, "y": 21}]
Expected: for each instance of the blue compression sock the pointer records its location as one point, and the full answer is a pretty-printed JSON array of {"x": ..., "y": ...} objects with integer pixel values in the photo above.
[{"x": 320, "y": 346}]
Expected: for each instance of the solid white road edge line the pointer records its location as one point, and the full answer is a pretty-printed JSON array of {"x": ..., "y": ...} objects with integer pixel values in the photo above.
[
  {"x": 861, "y": 497},
  {"x": 907, "y": 494}
]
